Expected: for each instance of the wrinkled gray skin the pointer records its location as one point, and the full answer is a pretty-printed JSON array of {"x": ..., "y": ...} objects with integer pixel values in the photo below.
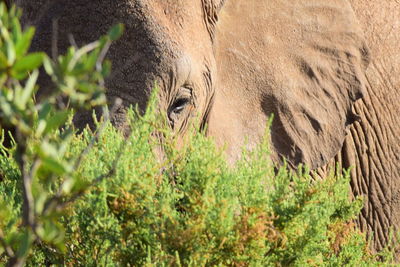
[{"x": 235, "y": 62}]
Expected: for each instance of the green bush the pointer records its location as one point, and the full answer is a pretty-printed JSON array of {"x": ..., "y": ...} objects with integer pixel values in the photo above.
[{"x": 102, "y": 199}]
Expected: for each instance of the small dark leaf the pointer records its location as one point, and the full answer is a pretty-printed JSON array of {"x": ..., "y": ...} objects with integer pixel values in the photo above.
[
  {"x": 25, "y": 244},
  {"x": 116, "y": 32},
  {"x": 106, "y": 70},
  {"x": 91, "y": 60}
]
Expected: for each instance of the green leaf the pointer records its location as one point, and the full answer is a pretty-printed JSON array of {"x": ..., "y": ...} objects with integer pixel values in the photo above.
[
  {"x": 4, "y": 31},
  {"x": 48, "y": 66},
  {"x": 24, "y": 42},
  {"x": 19, "y": 75},
  {"x": 116, "y": 32},
  {"x": 11, "y": 56},
  {"x": 3, "y": 61},
  {"x": 53, "y": 232},
  {"x": 44, "y": 110},
  {"x": 6, "y": 110},
  {"x": 28, "y": 63},
  {"x": 40, "y": 128},
  {"x": 3, "y": 79},
  {"x": 41, "y": 201},
  {"x": 56, "y": 120},
  {"x": 85, "y": 87},
  {"x": 13, "y": 11},
  {"x": 16, "y": 30},
  {"x": 78, "y": 70},
  {"x": 68, "y": 185},
  {"x": 2, "y": 9},
  {"x": 64, "y": 61},
  {"x": 106, "y": 69},
  {"x": 91, "y": 60},
  {"x": 45, "y": 149},
  {"x": 29, "y": 89},
  {"x": 25, "y": 244},
  {"x": 54, "y": 166}
]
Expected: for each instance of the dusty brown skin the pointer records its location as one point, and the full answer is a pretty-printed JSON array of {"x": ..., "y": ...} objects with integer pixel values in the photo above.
[
  {"x": 373, "y": 145},
  {"x": 235, "y": 62}
]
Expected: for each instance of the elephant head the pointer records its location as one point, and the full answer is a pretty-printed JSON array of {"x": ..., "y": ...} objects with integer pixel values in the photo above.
[
  {"x": 233, "y": 63},
  {"x": 168, "y": 44}
]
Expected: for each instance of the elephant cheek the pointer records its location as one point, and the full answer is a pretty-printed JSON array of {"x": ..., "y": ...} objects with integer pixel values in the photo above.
[
  {"x": 161, "y": 143},
  {"x": 159, "y": 154},
  {"x": 157, "y": 141},
  {"x": 225, "y": 128}
]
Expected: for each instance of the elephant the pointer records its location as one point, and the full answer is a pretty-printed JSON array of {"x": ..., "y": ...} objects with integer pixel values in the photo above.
[{"x": 328, "y": 70}]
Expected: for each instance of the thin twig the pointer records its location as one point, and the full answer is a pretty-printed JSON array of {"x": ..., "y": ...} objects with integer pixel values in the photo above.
[
  {"x": 28, "y": 215},
  {"x": 27, "y": 205},
  {"x": 54, "y": 40},
  {"x": 72, "y": 41},
  {"x": 100, "y": 60},
  {"x": 102, "y": 55},
  {"x": 82, "y": 51}
]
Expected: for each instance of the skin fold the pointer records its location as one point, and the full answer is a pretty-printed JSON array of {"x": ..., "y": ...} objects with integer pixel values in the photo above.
[
  {"x": 327, "y": 70},
  {"x": 373, "y": 145}
]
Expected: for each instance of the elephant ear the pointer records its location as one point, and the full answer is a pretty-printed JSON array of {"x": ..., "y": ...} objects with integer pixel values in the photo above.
[{"x": 303, "y": 61}]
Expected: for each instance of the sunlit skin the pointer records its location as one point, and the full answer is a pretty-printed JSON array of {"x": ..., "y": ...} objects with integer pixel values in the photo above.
[{"x": 324, "y": 69}]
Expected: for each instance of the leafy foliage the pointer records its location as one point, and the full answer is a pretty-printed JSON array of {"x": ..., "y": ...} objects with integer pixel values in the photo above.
[{"x": 100, "y": 198}]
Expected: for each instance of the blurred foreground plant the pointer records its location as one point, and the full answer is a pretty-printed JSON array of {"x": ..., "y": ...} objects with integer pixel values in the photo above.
[{"x": 41, "y": 131}]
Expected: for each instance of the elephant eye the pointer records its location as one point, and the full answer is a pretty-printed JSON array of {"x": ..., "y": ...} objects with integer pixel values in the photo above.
[{"x": 179, "y": 107}]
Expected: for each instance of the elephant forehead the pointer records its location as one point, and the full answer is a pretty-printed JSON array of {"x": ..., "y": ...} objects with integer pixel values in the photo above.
[
  {"x": 175, "y": 13},
  {"x": 179, "y": 20}
]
